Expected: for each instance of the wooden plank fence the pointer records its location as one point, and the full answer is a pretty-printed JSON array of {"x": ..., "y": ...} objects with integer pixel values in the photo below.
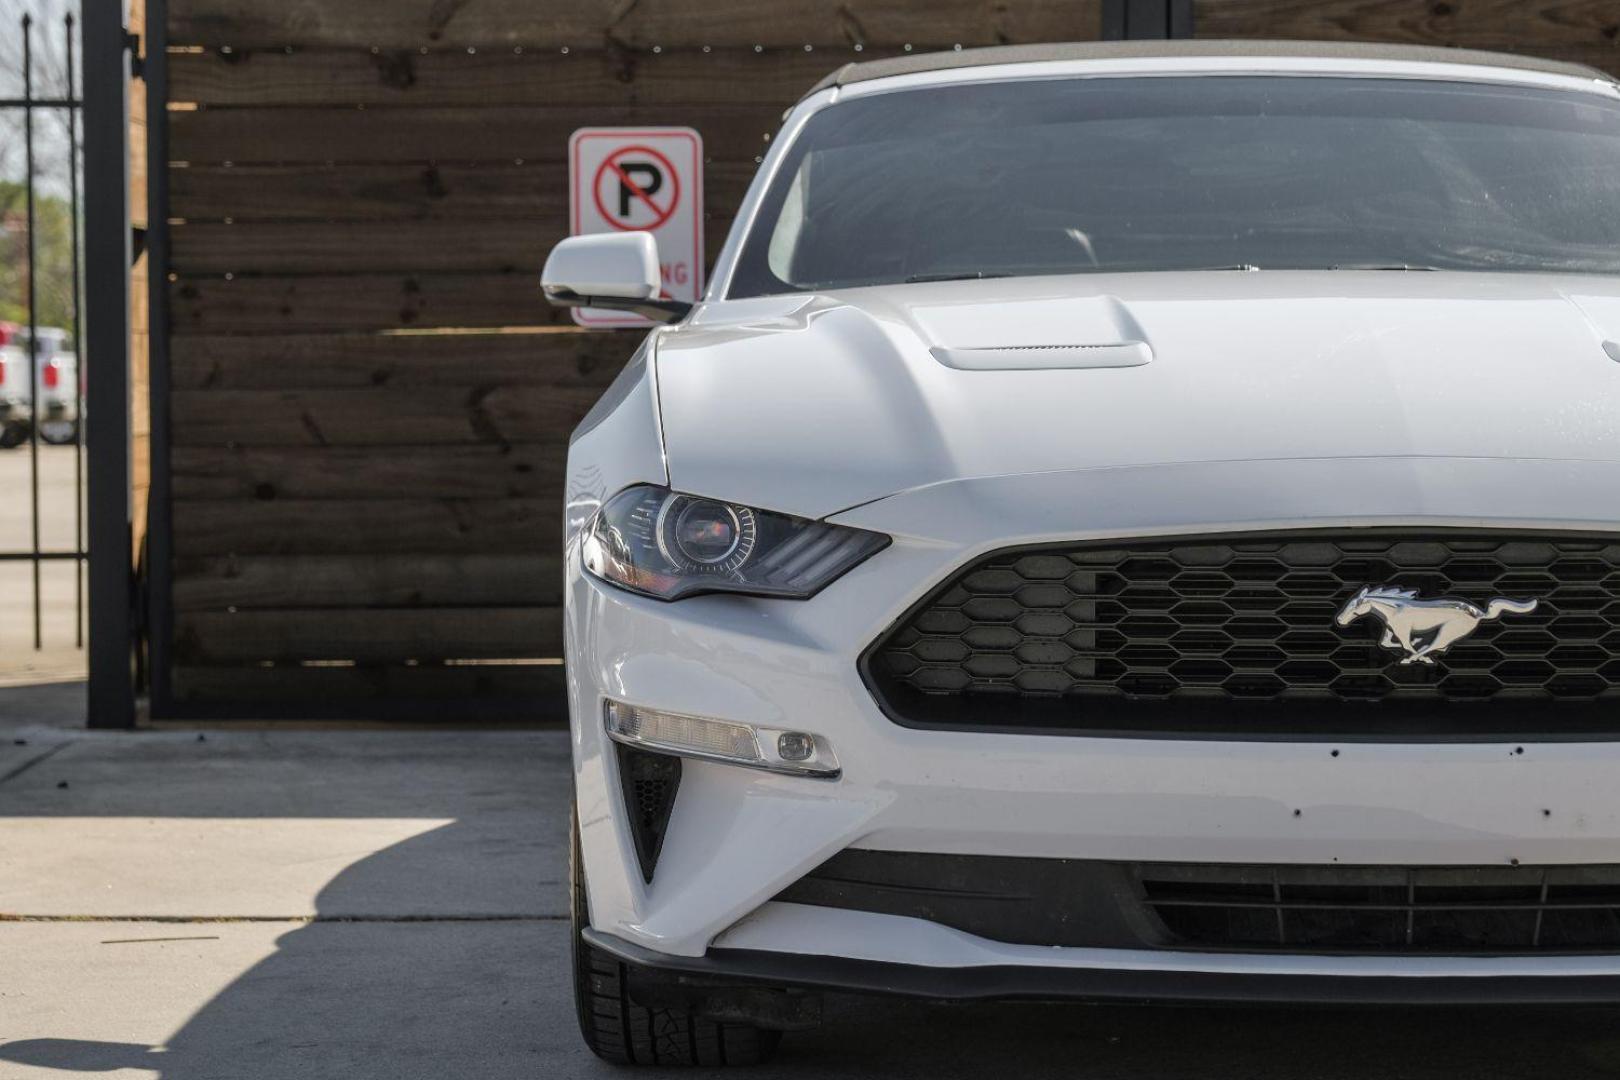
[
  {"x": 370, "y": 404},
  {"x": 364, "y": 515}
]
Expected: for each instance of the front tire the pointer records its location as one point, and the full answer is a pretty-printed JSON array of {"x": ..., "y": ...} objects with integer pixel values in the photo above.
[{"x": 618, "y": 1030}]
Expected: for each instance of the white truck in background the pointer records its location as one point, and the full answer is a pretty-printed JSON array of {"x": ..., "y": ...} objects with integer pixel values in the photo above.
[{"x": 57, "y": 366}]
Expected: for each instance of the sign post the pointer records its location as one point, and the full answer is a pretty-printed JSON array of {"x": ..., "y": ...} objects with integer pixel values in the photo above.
[{"x": 641, "y": 179}]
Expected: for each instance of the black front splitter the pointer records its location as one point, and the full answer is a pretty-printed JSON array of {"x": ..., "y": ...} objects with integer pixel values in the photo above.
[{"x": 842, "y": 974}]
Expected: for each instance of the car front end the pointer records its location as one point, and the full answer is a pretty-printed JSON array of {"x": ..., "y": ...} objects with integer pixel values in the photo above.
[{"x": 1228, "y": 629}]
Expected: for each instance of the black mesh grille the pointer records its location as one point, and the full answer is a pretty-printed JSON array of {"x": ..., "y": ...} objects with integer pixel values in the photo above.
[
  {"x": 650, "y": 782},
  {"x": 1230, "y": 907},
  {"x": 1443, "y": 910},
  {"x": 1238, "y": 634}
]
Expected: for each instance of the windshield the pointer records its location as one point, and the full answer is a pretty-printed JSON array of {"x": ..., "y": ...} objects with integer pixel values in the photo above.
[{"x": 1190, "y": 173}]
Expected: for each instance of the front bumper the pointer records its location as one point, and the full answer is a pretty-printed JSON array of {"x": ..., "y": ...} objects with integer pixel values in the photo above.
[
  {"x": 1161, "y": 985},
  {"x": 737, "y": 838}
]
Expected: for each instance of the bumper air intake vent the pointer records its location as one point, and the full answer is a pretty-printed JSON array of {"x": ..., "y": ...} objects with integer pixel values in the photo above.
[{"x": 650, "y": 782}]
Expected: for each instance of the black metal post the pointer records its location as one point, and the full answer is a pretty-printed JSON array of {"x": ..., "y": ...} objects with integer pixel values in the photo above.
[
  {"x": 33, "y": 309},
  {"x": 106, "y": 360},
  {"x": 78, "y": 340},
  {"x": 159, "y": 532}
]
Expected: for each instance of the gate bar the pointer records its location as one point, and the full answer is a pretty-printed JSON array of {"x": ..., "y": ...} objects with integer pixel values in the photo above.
[
  {"x": 35, "y": 412},
  {"x": 78, "y": 339},
  {"x": 106, "y": 360}
]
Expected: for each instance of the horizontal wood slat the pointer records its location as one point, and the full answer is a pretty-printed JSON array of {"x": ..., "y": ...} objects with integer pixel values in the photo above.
[
  {"x": 356, "y": 527},
  {"x": 518, "y": 245},
  {"x": 385, "y": 416},
  {"x": 379, "y": 580},
  {"x": 505, "y": 134},
  {"x": 447, "y": 694},
  {"x": 531, "y": 471},
  {"x": 367, "y": 635},
  {"x": 1521, "y": 24},
  {"x": 588, "y": 78},
  {"x": 333, "y": 361},
  {"x": 586, "y": 23},
  {"x": 490, "y": 192},
  {"x": 339, "y": 302}
]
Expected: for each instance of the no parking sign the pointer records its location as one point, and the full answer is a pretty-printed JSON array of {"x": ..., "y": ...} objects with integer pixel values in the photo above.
[{"x": 647, "y": 179}]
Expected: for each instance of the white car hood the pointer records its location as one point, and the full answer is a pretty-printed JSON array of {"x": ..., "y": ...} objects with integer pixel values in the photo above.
[{"x": 813, "y": 404}]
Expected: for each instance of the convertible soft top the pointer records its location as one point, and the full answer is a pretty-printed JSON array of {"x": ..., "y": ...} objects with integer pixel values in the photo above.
[{"x": 1126, "y": 50}]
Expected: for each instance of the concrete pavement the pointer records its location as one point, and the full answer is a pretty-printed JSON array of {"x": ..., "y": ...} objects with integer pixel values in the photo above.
[
  {"x": 360, "y": 904},
  {"x": 60, "y": 658}
]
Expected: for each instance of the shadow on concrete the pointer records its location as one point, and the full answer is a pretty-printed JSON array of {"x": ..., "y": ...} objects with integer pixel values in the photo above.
[
  {"x": 361, "y": 998},
  {"x": 56, "y": 703},
  {"x": 79, "y": 1055}
]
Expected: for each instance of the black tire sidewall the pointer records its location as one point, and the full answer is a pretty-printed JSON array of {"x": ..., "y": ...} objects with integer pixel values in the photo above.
[{"x": 578, "y": 919}]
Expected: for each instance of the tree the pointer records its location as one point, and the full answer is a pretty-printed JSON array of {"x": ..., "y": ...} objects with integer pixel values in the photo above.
[
  {"x": 54, "y": 275},
  {"x": 53, "y": 227}
]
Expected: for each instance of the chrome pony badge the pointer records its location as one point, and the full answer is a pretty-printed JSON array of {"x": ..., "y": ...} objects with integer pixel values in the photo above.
[{"x": 1424, "y": 628}]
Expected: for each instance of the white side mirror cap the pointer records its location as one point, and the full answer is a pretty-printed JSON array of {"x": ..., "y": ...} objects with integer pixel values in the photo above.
[{"x": 616, "y": 266}]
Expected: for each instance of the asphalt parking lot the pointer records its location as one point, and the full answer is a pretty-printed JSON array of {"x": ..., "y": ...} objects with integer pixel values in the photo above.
[{"x": 310, "y": 904}]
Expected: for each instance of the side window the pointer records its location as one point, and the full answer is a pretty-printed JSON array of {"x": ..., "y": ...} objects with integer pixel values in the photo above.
[{"x": 790, "y": 225}]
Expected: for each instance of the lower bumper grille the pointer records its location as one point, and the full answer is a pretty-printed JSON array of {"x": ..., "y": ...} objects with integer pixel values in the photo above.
[
  {"x": 1438, "y": 910},
  {"x": 1451, "y": 911}
]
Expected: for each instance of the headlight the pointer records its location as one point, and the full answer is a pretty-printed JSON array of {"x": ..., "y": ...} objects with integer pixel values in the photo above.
[{"x": 661, "y": 543}]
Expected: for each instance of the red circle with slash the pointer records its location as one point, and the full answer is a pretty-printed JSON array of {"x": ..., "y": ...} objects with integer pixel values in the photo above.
[{"x": 614, "y": 167}]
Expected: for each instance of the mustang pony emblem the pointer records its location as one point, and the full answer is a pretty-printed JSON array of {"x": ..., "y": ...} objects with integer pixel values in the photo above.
[{"x": 1424, "y": 628}]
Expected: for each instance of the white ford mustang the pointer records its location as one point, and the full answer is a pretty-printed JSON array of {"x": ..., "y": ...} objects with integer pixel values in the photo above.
[{"x": 1126, "y": 522}]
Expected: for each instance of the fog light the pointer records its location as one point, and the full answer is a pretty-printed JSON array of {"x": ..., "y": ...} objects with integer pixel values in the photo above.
[
  {"x": 794, "y": 752},
  {"x": 795, "y": 745}
]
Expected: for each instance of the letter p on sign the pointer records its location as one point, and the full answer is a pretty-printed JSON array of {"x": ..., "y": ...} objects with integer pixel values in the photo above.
[{"x": 641, "y": 179}]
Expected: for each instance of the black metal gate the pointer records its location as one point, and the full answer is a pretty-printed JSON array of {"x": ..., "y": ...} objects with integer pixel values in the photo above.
[
  {"x": 67, "y": 348},
  {"x": 45, "y": 400}
]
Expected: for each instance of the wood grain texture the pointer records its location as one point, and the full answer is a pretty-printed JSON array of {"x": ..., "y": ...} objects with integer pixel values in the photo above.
[
  {"x": 587, "y": 78},
  {"x": 461, "y": 134},
  {"x": 405, "y": 192},
  {"x": 376, "y": 580},
  {"x": 566, "y": 357},
  {"x": 372, "y": 527},
  {"x": 1524, "y": 25},
  {"x": 382, "y": 416},
  {"x": 366, "y": 635},
  {"x": 496, "y": 247},
  {"x": 523, "y": 471},
  {"x": 344, "y": 302},
  {"x": 588, "y": 23},
  {"x": 449, "y": 694},
  {"x": 514, "y": 246},
  {"x": 359, "y": 167}
]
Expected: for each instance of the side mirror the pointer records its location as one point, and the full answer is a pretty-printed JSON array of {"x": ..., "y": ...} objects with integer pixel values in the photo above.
[{"x": 609, "y": 270}]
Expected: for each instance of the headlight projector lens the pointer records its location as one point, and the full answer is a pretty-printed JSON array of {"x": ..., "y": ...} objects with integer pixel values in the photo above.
[{"x": 699, "y": 534}]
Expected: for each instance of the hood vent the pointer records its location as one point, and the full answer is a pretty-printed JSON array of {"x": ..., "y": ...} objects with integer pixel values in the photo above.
[{"x": 1046, "y": 357}]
